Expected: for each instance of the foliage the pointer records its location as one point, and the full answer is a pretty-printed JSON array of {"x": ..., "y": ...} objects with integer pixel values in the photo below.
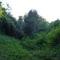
[
  {"x": 10, "y": 49},
  {"x": 19, "y": 27},
  {"x": 54, "y": 37},
  {"x": 34, "y": 23},
  {"x": 29, "y": 38},
  {"x": 2, "y": 11},
  {"x": 54, "y": 24},
  {"x": 35, "y": 42}
]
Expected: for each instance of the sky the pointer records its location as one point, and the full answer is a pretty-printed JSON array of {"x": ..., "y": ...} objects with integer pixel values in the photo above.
[{"x": 48, "y": 9}]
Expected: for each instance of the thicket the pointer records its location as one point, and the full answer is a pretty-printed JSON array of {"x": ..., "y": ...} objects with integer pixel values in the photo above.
[{"x": 31, "y": 37}]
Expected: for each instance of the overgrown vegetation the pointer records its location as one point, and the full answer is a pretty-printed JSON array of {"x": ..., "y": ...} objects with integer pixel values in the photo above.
[{"x": 29, "y": 38}]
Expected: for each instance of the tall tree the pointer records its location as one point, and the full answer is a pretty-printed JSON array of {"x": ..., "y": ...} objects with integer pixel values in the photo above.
[
  {"x": 31, "y": 22},
  {"x": 19, "y": 27},
  {"x": 34, "y": 23}
]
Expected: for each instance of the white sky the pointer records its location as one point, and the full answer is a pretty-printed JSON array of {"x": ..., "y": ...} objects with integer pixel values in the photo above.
[{"x": 49, "y": 9}]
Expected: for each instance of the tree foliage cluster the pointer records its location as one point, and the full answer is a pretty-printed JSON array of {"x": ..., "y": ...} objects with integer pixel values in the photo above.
[
  {"x": 31, "y": 37},
  {"x": 26, "y": 25}
]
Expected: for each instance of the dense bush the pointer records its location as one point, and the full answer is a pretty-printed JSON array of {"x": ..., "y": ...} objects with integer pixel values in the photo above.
[
  {"x": 10, "y": 49},
  {"x": 54, "y": 37}
]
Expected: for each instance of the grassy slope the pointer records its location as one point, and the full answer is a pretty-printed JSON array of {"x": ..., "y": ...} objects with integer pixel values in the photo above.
[{"x": 10, "y": 49}]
